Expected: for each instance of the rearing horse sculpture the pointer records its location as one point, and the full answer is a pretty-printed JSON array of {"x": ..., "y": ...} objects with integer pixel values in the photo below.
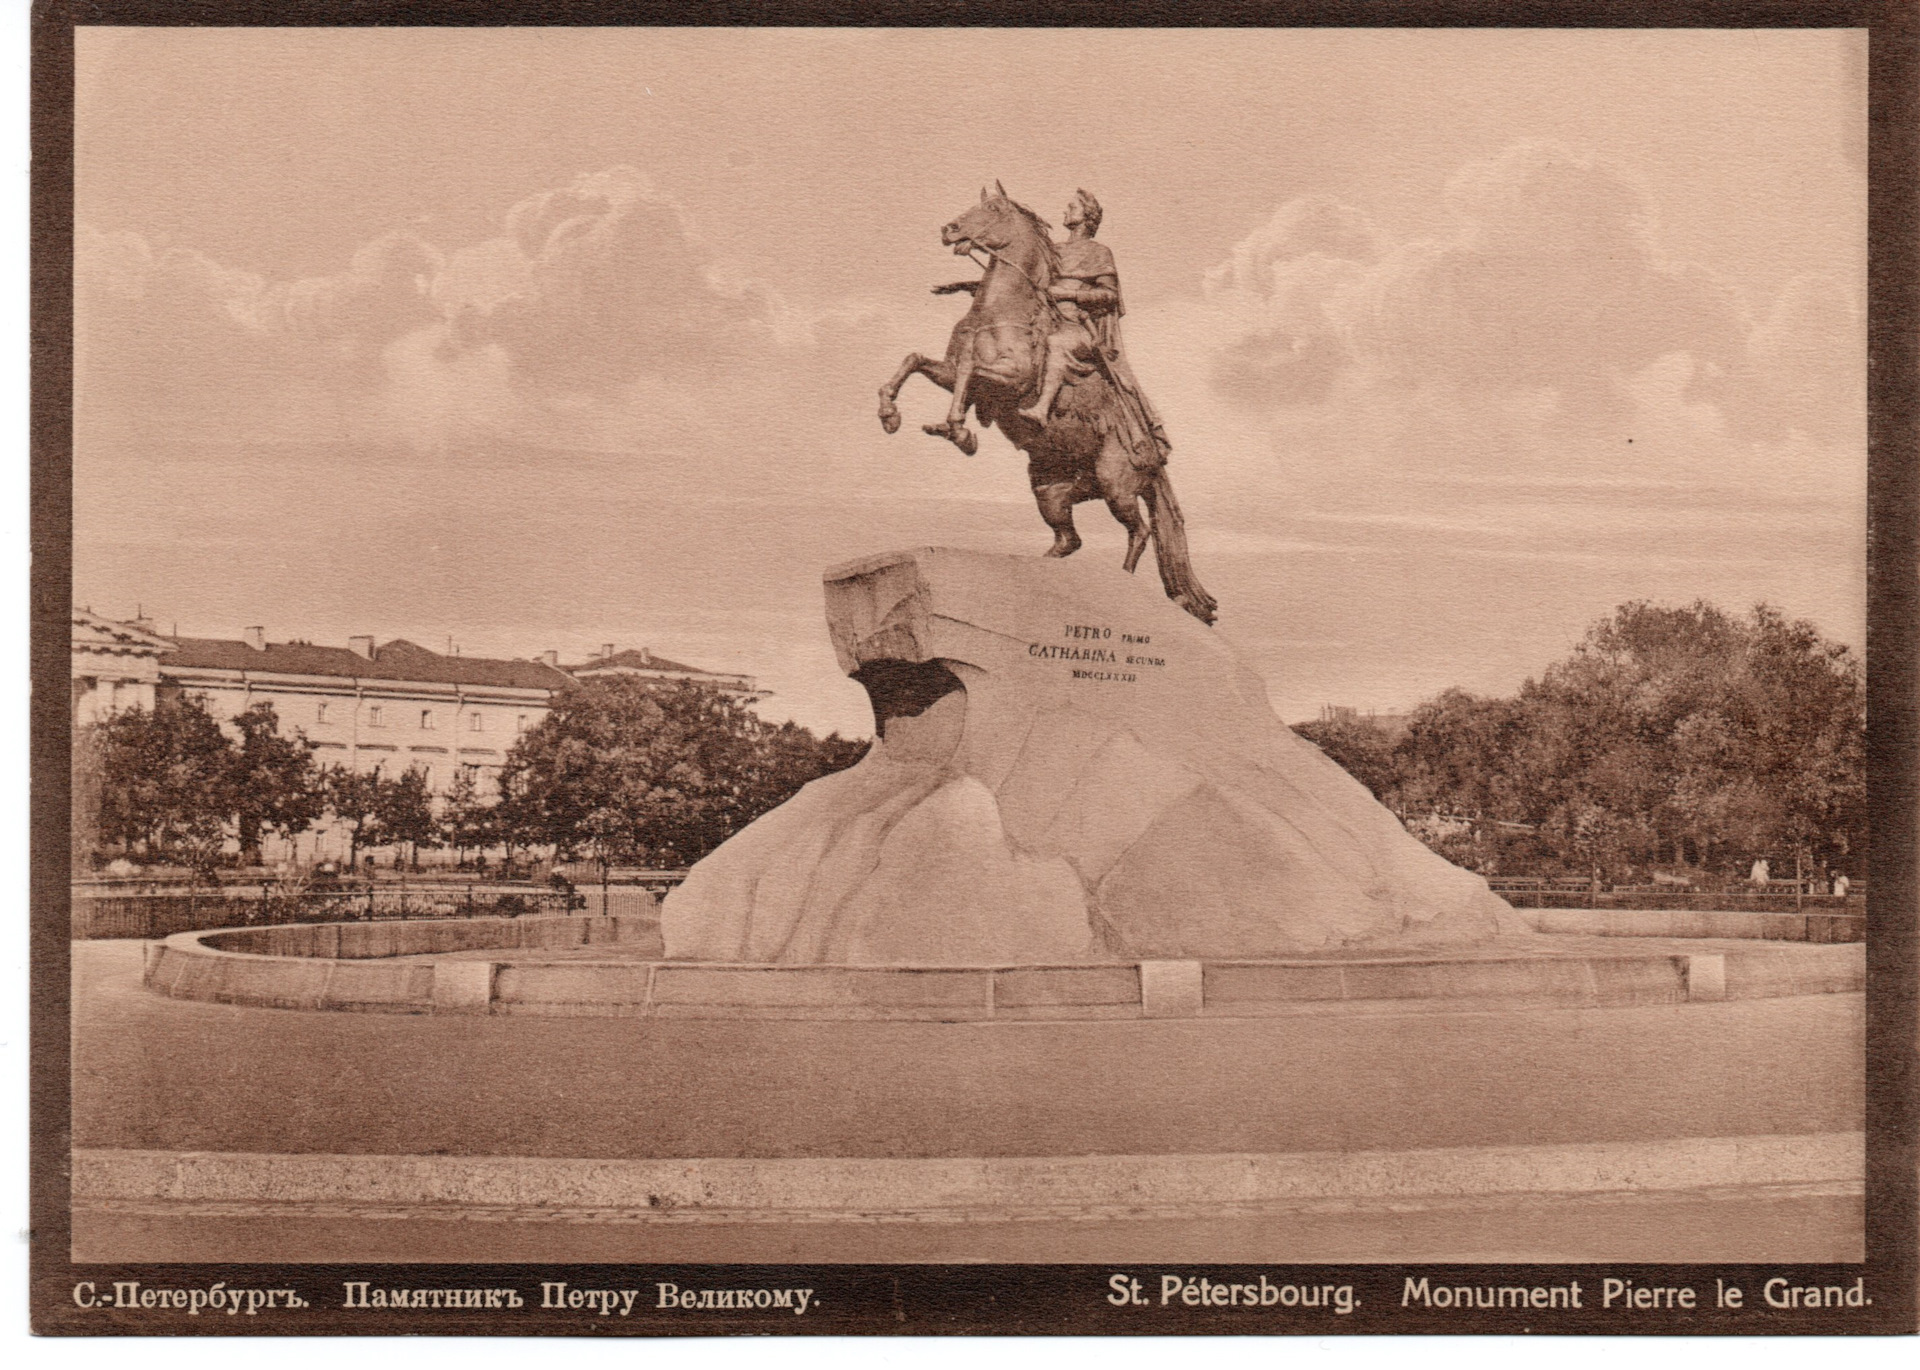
[{"x": 993, "y": 366}]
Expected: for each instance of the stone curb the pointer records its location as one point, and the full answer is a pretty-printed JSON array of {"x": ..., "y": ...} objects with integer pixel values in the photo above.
[
  {"x": 874, "y": 1188},
  {"x": 1816, "y": 927},
  {"x": 349, "y": 968}
]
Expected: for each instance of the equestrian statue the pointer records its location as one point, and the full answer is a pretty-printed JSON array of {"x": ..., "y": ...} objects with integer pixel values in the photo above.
[{"x": 1039, "y": 354}]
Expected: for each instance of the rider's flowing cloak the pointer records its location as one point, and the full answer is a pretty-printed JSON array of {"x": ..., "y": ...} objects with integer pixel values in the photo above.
[{"x": 1144, "y": 435}]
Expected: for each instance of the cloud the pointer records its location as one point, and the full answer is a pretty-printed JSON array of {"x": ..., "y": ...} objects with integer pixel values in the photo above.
[
  {"x": 1552, "y": 279},
  {"x": 1549, "y": 293},
  {"x": 606, "y": 278},
  {"x": 385, "y": 292},
  {"x": 1803, "y": 369},
  {"x": 1537, "y": 333},
  {"x": 1312, "y": 226},
  {"x": 167, "y": 339},
  {"x": 1290, "y": 286},
  {"x": 586, "y": 291}
]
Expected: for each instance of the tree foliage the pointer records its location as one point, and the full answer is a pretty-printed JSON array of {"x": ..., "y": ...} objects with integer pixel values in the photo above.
[
  {"x": 1683, "y": 736},
  {"x": 171, "y": 783},
  {"x": 165, "y": 781},
  {"x": 467, "y": 821},
  {"x": 353, "y": 798},
  {"x": 624, "y": 769},
  {"x": 1363, "y": 750},
  {"x": 274, "y": 786},
  {"x": 620, "y": 769},
  {"x": 403, "y": 810}
]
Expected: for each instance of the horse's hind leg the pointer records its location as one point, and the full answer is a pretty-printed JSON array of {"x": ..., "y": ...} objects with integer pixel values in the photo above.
[
  {"x": 1120, "y": 487},
  {"x": 1056, "y": 507},
  {"x": 939, "y": 372}
]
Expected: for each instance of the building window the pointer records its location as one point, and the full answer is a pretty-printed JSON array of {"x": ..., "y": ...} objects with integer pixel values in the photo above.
[
  {"x": 374, "y": 718},
  {"x": 520, "y": 724},
  {"x": 426, "y": 719},
  {"x": 476, "y": 722},
  {"x": 320, "y": 712}
]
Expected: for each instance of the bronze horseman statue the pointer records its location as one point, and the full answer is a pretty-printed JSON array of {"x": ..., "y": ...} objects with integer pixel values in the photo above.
[{"x": 1039, "y": 354}]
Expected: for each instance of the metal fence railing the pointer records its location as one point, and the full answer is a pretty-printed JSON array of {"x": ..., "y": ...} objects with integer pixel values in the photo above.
[
  {"x": 153, "y": 915},
  {"x": 585, "y": 873},
  {"x": 1558, "y": 896}
]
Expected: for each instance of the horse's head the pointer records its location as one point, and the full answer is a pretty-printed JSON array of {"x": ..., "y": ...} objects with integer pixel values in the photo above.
[{"x": 997, "y": 223}]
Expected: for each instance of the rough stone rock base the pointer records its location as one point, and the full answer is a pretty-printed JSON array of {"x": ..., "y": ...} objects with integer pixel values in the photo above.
[{"x": 1069, "y": 769}]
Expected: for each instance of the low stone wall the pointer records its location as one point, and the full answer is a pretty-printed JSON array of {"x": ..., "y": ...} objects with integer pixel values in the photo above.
[
  {"x": 1770, "y": 926},
  {"x": 423, "y": 937},
  {"x": 362, "y": 968},
  {"x": 355, "y": 967}
]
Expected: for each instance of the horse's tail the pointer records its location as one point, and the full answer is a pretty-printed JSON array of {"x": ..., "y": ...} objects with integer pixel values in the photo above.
[{"x": 1170, "y": 550}]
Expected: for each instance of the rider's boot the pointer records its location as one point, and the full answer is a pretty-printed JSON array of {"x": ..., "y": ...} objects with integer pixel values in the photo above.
[{"x": 1056, "y": 374}]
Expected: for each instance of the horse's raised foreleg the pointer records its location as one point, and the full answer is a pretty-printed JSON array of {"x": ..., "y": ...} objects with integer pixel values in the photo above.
[
  {"x": 1056, "y": 507},
  {"x": 939, "y": 372},
  {"x": 955, "y": 429}
]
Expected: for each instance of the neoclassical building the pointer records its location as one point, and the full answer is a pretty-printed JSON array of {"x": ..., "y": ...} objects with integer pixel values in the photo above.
[
  {"x": 394, "y": 706},
  {"x": 115, "y": 666}
]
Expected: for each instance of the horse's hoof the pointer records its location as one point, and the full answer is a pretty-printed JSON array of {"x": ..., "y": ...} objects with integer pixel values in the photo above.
[
  {"x": 956, "y": 433},
  {"x": 890, "y": 420},
  {"x": 1064, "y": 549}
]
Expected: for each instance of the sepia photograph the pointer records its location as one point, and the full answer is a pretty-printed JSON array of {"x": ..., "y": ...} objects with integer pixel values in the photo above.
[{"x": 983, "y": 679}]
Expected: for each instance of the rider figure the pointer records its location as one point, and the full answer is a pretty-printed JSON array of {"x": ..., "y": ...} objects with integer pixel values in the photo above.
[{"x": 1087, "y": 293}]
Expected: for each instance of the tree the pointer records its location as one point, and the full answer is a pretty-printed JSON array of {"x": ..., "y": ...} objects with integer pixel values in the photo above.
[
  {"x": 1449, "y": 760},
  {"x": 352, "y": 797},
  {"x": 1669, "y": 734},
  {"x": 271, "y": 779},
  {"x": 777, "y": 762},
  {"x": 515, "y": 821},
  {"x": 1730, "y": 736},
  {"x": 164, "y": 780},
  {"x": 403, "y": 812},
  {"x": 1360, "y": 749},
  {"x": 622, "y": 767},
  {"x": 466, "y": 820},
  {"x": 629, "y": 769}
]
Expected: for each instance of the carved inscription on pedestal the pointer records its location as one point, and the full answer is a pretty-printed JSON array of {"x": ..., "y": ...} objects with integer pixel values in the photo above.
[{"x": 1098, "y": 652}]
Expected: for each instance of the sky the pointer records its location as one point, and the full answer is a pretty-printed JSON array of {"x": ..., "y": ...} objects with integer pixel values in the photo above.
[{"x": 530, "y": 339}]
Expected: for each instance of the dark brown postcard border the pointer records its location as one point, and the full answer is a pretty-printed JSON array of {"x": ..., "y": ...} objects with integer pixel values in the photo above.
[{"x": 1028, "y": 1299}]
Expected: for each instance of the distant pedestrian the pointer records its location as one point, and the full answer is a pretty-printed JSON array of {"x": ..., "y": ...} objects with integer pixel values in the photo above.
[
  {"x": 1841, "y": 884},
  {"x": 1759, "y": 875}
]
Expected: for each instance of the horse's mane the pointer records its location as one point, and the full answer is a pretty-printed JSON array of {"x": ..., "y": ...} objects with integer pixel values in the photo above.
[{"x": 1045, "y": 231}]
